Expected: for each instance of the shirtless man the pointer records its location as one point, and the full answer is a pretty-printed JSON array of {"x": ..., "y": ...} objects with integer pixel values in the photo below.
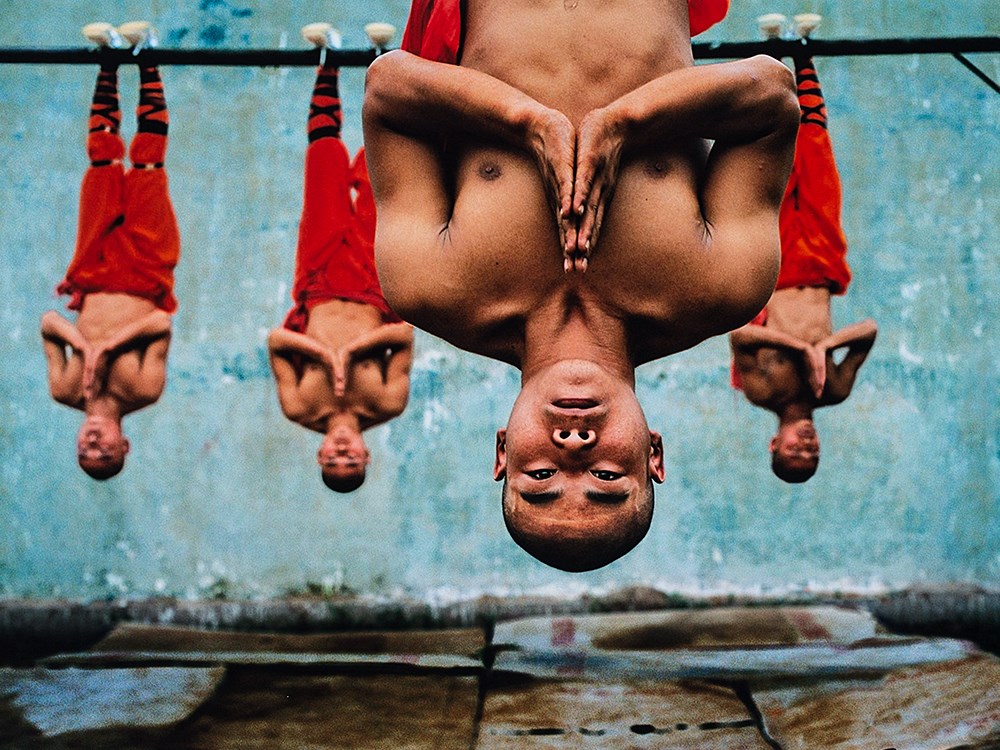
[
  {"x": 342, "y": 359},
  {"x": 783, "y": 360},
  {"x": 113, "y": 360},
  {"x": 498, "y": 233}
]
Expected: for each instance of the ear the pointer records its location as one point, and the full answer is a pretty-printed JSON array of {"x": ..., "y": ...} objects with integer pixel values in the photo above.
[
  {"x": 773, "y": 445},
  {"x": 126, "y": 444},
  {"x": 500, "y": 465},
  {"x": 656, "y": 457}
]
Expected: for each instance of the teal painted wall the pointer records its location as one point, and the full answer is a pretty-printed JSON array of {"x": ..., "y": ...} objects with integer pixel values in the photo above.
[{"x": 221, "y": 494}]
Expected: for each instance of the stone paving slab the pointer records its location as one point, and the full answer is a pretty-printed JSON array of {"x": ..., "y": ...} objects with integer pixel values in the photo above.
[
  {"x": 937, "y": 707},
  {"x": 616, "y": 715},
  {"x": 270, "y": 710},
  {"x": 138, "y": 637},
  {"x": 153, "y": 644},
  {"x": 50, "y": 702},
  {"x": 700, "y": 628},
  {"x": 724, "y": 644}
]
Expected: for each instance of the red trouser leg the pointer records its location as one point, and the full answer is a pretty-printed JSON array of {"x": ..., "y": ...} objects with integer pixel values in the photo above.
[
  {"x": 813, "y": 245},
  {"x": 335, "y": 255},
  {"x": 150, "y": 223},
  {"x": 101, "y": 195}
]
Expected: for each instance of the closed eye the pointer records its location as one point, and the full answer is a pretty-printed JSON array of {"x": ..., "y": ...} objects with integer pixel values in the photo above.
[
  {"x": 608, "y": 498},
  {"x": 537, "y": 498}
]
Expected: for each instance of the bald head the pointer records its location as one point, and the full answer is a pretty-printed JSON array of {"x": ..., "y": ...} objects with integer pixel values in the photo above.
[{"x": 101, "y": 447}]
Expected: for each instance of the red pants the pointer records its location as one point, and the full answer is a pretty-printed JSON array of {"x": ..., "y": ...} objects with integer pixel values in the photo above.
[
  {"x": 434, "y": 27},
  {"x": 813, "y": 246},
  {"x": 335, "y": 258},
  {"x": 127, "y": 238}
]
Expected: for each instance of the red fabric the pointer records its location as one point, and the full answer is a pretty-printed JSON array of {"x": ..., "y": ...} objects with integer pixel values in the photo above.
[
  {"x": 704, "y": 14},
  {"x": 335, "y": 258},
  {"x": 127, "y": 238},
  {"x": 813, "y": 245},
  {"x": 434, "y": 27}
]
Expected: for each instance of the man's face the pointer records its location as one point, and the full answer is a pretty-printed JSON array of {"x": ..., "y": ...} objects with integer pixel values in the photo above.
[
  {"x": 577, "y": 444},
  {"x": 797, "y": 445},
  {"x": 100, "y": 446},
  {"x": 343, "y": 452}
]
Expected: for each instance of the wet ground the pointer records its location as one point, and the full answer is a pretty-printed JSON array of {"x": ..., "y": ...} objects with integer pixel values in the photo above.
[{"x": 807, "y": 678}]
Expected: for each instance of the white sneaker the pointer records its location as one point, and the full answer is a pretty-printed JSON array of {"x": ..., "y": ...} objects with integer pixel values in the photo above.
[
  {"x": 380, "y": 34},
  {"x": 139, "y": 34},
  {"x": 322, "y": 35},
  {"x": 806, "y": 24},
  {"x": 772, "y": 25},
  {"x": 103, "y": 34}
]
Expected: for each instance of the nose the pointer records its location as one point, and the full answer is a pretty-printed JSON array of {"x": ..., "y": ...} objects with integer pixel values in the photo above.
[{"x": 574, "y": 439}]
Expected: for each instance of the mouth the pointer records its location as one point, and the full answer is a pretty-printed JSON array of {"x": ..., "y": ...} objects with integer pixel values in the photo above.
[{"x": 575, "y": 403}]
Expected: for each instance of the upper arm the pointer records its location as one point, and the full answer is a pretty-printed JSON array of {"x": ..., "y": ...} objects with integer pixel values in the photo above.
[
  {"x": 287, "y": 382},
  {"x": 748, "y": 166},
  {"x": 409, "y": 182},
  {"x": 741, "y": 194},
  {"x": 65, "y": 368},
  {"x": 398, "y": 379},
  {"x": 152, "y": 375},
  {"x": 840, "y": 378}
]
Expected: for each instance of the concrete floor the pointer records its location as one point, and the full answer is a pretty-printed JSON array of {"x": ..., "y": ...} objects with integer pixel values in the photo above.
[{"x": 806, "y": 678}]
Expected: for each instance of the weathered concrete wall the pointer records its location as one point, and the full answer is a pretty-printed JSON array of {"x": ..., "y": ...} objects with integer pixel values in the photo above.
[{"x": 221, "y": 494}]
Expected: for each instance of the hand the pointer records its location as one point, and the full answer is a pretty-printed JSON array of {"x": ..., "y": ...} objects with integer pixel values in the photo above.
[
  {"x": 94, "y": 369},
  {"x": 598, "y": 156},
  {"x": 816, "y": 363},
  {"x": 338, "y": 362},
  {"x": 553, "y": 144}
]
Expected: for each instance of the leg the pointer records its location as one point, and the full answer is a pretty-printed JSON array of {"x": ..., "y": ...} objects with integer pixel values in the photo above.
[
  {"x": 101, "y": 193},
  {"x": 335, "y": 254},
  {"x": 150, "y": 225},
  {"x": 813, "y": 245}
]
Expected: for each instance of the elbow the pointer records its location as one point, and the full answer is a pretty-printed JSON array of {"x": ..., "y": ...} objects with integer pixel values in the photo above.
[
  {"x": 774, "y": 87},
  {"x": 381, "y": 79}
]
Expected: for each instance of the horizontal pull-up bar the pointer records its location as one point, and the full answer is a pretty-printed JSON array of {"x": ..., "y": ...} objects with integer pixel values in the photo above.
[{"x": 364, "y": 57}]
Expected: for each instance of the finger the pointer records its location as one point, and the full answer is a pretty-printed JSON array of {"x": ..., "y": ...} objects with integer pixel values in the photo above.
[{"x": 589, "y": 221}]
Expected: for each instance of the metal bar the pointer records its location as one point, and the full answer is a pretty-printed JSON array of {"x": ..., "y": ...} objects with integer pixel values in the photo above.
[
  {"x": 263, "y": 58},
  {"x": 976, "y": 71},
  {"x": 364, "y": 57},
  {"x": 846, "y": 47}
]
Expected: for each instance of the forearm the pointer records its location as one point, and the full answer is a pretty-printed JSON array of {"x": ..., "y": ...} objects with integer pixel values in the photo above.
[
  {"x": 56, "y": 329},
  {"x": 284, "y": 343},
  {"x": 409, "y": 94},
  {"x": 858, "y": 336},
  {"x": 395, "y": 336},
  {"x": 738, "y": 102},
  {"x": 753, "y": 336},
  {"x": 148, "y": 328}
]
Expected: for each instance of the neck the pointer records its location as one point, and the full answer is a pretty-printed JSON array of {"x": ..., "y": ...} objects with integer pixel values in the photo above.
[
  {"x": 569, "y": 328},
  {"x": 794, "y": 412},
  {"x": 105, "y": 407},
  {"x": 344, "y": 418}
]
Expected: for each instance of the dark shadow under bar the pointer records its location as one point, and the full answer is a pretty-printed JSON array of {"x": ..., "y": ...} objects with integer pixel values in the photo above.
[{"x": 364, "y": 57}]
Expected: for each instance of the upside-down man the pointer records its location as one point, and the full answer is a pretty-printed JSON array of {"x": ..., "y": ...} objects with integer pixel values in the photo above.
[
  {"x": 783, "y": 360},
  {"x": 498, "y": 230},
  {"x": 342, "y": 358}
]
